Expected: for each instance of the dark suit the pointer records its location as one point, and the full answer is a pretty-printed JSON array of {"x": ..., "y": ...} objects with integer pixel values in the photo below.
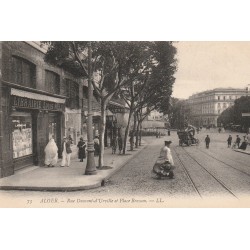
[{"x": 68, "y": 149}]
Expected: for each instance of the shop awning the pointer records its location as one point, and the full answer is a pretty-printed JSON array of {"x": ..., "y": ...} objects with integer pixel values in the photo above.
[{"x": 40, "y": 97}]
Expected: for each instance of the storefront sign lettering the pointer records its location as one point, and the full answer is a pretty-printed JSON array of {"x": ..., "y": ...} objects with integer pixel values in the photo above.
[
  {"x": 23, "y": 102},
  {"x": 117, "y": 110}
]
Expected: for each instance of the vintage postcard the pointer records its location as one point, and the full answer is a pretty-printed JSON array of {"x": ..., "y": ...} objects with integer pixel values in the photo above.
[{"x": 124, "y": 124}]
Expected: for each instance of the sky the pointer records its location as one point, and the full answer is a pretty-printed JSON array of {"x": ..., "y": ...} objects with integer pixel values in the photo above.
[{"x": 208, "y": 65}]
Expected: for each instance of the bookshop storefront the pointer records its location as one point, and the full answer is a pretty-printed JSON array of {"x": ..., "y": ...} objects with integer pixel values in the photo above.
[{"x": 35, "y": 118}]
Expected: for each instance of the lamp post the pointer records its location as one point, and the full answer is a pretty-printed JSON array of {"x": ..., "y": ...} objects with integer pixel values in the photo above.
[{"x": 90, "y": 167}]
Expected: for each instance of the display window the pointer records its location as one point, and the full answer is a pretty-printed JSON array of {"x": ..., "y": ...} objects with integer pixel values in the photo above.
[{"x": 21, "y": 134}]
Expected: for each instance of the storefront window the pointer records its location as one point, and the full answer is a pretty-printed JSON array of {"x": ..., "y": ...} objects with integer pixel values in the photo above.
[{"x": 22, "y": 135}]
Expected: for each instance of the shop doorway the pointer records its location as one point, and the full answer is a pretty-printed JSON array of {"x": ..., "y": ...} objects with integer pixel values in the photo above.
[{"x": 54, "y": 127}]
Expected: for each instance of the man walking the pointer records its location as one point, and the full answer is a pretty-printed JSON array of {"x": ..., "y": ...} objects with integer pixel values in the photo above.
[
  {"x": 229, "y": 141},
  {"x": 66, "y": 152},
  {"x": 207, "y": 140},
  {"x": 238, "y": 141}
]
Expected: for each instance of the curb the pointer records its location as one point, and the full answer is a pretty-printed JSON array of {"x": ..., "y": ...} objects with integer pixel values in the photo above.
[
  {"x": 241, "y": 151},
  {"x": 99, "y": 183}
]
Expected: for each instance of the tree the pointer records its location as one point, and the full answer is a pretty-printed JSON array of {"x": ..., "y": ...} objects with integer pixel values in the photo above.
[
  {"x": 233, "y": 114},
  {"x": 226, "y": 117},
  {"x": 152, "y": 87},
  {"x": 179, "y": 113},
  {"x": 113, "y": 64}
]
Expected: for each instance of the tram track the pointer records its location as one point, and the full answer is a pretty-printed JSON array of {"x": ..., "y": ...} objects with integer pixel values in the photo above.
[
  {"x": 209, "y": 172},
  {"x": 188, "y": 175},
  {"x": 229, "y": 165}
]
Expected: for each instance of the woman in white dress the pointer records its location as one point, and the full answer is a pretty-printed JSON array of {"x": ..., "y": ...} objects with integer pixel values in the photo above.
[{"x": 51, "y": 153}]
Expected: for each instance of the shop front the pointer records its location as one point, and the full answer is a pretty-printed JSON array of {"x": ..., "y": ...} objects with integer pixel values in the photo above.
[{"x": 35, "y": 118}]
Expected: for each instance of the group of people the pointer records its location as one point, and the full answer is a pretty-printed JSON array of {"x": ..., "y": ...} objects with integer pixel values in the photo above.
[
  {"x": 245, "y": 142},
  {"x": 243, "y": 145},
  {"x": 51, "y": 152},
  {"x": 117, "y": 141}
]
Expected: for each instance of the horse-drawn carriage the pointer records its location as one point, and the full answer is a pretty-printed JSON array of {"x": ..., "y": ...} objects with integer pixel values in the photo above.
[{"x": 187, "y": 138}]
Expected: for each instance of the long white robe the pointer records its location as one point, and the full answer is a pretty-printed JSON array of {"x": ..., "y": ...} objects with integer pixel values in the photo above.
[{"x": 51, "y": 153}]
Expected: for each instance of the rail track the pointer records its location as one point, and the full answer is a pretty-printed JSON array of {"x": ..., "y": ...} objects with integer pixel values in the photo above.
[
  {"x": 209, "y": 172},
  {"x": 229, "y": 165}
]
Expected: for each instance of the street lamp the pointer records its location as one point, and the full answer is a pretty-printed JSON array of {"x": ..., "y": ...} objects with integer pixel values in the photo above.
[{"x": 90, "y": 167}]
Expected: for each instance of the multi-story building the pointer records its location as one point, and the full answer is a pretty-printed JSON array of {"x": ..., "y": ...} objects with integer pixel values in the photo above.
[
  {"x": 38, "y": 100},
  {"x": 207, "y": 106}
]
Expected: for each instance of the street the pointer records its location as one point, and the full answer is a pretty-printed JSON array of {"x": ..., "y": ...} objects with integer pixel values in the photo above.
[{"x": 200, "y": 174}]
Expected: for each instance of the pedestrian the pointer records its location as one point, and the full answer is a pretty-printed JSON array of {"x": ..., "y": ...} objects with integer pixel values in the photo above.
[
  {"x": 229, "y": 141},
  {"x": 70, "y": 139},
  {"x": 207, "y": 140},
  {"x": 96, "y": 146},
  {"x": 165, "y": 154},
  {"x": 243, "y": 145},
  {"x": 82, "y": 149},
  {"x": 114, "y": 144},
  {"x": 51, "y": 153},
  {"x": 248, "y": 138},
  {"x": 169, "y": 132},
  {"x": 120, "y": 142},
  {"x": 66, "y": 152},
  {"x": 238, "y": 140},
  {"x": 219, "y": 129}
]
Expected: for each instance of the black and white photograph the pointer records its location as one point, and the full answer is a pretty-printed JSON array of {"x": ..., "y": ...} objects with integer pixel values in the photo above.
[{"x": 125, "y": 124}]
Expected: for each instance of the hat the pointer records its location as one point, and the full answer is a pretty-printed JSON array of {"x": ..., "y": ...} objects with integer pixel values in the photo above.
[{"x": 168, "y": 142}]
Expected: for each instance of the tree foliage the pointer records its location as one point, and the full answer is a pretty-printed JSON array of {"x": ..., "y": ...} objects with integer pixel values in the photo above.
[{"x": 233, "y": 114}]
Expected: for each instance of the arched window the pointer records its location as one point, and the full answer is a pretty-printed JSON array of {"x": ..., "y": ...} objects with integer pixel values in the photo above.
[{"x": 23, "y": 72}]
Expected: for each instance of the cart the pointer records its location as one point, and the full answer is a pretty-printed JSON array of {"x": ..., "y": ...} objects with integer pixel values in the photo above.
[{"x": 187, "y": 138}]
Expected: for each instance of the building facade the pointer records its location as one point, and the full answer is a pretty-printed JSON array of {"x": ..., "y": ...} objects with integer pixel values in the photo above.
[
  {"x": 207, "y": 106},
  {"x": 38, "y": 100}
]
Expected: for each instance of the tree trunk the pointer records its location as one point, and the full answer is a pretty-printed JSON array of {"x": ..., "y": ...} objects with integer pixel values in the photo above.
[
  {"x": 133, "y": 134},
  {"x": 101, "y": 134},
  {"x": 140, "y": 133},
  {"x": 137, "y": 134},
  {"x": 126, "y": 132}
]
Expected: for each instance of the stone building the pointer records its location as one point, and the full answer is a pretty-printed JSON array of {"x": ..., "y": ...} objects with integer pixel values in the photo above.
[
  {"x": 207, "y": 106},
  {"x": 38, "y": 100}
]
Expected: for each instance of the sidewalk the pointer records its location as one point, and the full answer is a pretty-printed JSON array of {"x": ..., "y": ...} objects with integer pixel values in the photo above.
[
  {"x": 247, "y": 151},
  {"x": 67, "y": 178}
]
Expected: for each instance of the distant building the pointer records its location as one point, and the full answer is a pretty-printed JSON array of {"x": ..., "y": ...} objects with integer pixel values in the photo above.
[
  {"x": 155, "y": 116},
  {"x": 207, "y": 106}
]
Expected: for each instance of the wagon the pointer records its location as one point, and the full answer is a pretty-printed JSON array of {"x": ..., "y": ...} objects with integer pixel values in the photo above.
[{"x": 186, "y": 138}]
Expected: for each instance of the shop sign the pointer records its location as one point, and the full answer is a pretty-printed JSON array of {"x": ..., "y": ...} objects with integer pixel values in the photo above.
[
  {"x": 116, "y": 110},
  {"x": 23, "y": 102}
]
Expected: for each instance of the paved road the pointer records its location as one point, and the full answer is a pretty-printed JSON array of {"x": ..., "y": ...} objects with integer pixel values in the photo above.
[{"x": 200, "y": 174}]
